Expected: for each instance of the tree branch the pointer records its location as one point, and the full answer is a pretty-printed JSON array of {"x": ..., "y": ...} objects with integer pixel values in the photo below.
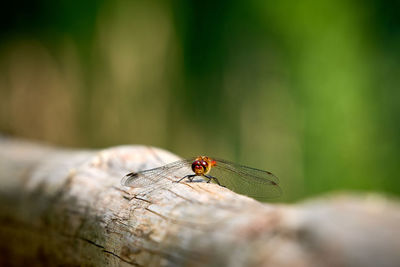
[{"x": 67, "y": 207}]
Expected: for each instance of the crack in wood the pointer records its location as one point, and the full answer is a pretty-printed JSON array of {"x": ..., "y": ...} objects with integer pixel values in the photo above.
[
  {"x": 109, "y": 252},
  {"x": 127, "y": 198},
  {"x": 142, "y": 199},
  {"x": 91, "y": 242},
  {"x": 120, "y": 258}
]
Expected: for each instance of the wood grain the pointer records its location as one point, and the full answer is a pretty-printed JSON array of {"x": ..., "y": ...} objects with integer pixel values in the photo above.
[{"x": 67, "y": 207}]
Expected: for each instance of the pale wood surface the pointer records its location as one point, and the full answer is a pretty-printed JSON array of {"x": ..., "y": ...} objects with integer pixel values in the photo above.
[{"x": 67, "y": 207}]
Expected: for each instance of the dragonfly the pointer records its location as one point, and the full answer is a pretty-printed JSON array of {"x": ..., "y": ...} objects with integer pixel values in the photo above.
[{"x": 239, "y": 178}]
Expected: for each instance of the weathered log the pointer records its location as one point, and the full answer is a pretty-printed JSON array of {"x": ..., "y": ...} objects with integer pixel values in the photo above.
[{"x": 67, "y": 207}]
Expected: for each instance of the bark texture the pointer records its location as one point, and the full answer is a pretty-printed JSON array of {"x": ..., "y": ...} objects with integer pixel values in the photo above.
[{"x": 67, "y": 207}]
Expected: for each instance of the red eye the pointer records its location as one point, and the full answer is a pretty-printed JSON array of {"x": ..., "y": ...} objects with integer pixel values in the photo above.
[
  {"x": 204, "y": 163},
  {"x": 196, "y": 165}
]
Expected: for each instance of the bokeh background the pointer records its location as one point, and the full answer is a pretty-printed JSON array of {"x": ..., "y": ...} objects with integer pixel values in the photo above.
[{"x": 306, "y": 89}]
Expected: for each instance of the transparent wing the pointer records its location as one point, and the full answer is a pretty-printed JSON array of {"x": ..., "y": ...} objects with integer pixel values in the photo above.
[
  {"x": 253, "y": 182},
  {"x": 245, "y": 180},
  {"x": 156, "y": 175}
]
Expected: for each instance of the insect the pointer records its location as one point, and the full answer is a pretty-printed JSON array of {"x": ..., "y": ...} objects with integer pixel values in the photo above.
[{"x": 241, "y": 179}]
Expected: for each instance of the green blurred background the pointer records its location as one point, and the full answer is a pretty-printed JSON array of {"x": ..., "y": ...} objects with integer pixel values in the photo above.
[{"x": 306, "y": 89}]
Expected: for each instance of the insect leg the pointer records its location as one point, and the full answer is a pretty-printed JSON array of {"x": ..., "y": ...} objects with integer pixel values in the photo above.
[
  {"x": 189, "y": 176},
  {"x": 213, "y": 178}
]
